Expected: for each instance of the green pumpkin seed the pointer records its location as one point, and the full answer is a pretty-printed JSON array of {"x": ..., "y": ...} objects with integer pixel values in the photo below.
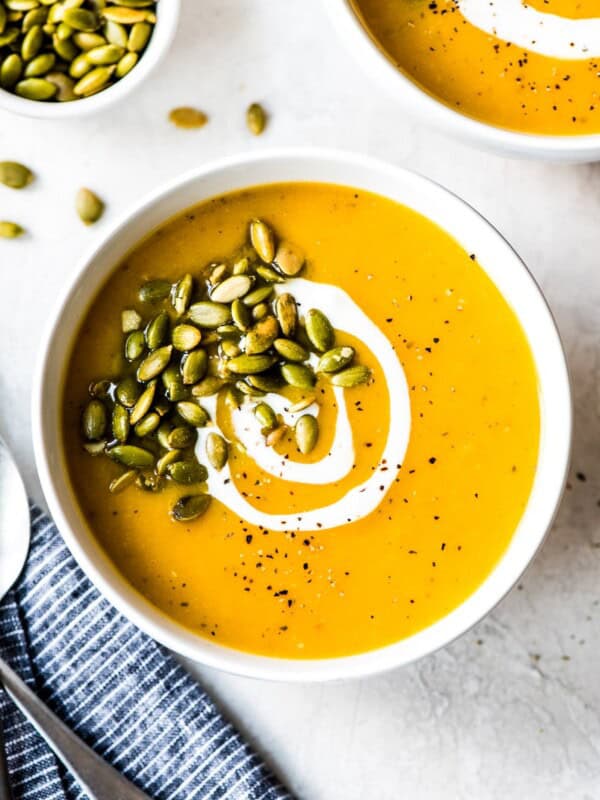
[
  {"x": 227, "y": 332},
  {"x": 10, "y": 230},
  {"x": 37, "y": 16},
  {"x": 218, "y": 274},
  {"x": 192, "y": 413},
  {"x": 126, "y": 64},
  {"x": 122, "y": 482},
  {"x": 306, "y": 432},
  {"x": 247, "y": 389},
  {"x": 173, "y": 384},
  {"x": 289, "y": 259},
  {"x": 79, "y": 66},
  {"x": 135, "y": 3},
  {"x": 55, "y": 13},
  {"x": 130, "y": 320},
  {"x": 256, "y": 119},
  {"x": 94, "y": 81},
  {"x": 230, "y": 349},
  {"x": 290, "y": 350},
  {"x": 207, "y": 314},
  {"x": 64, "y": 86},
  {"x": 147, "y": 425},
  {"x": 88, "y": 41},
  {"x": 262, "y": 336},
  {"x": 150, "y": 482},
  {"x": 135, "y": 344},
  {"x": 263, "y": 240},
  {"x": 287, "y": 314},
  {"x": 241, "y": 267},
  {"x": 32, "y": 43},
  {"x": 335, "y": 359},
  {"x": 40, "y": 65},
  {"x": 319, "y": 330},
  {"x": 266, "y": 381},
  {"x": 231, "y": 289},
  {"x": 269, "y": 275},
  {"x": 65, "y": 48},
  {"x": 143, "y": 404},
  {"x": 15, "y": 175},
  {"x": 105, "y": 54},
  {"x": 127, "y": 392},
  {"x": 120, "y": 423},
  {"x": 138, "y": 36},
  {"x": 351, "y": 376},
  {"x": 250, "y": 364},
  {"x": 94, "y": 420},
  {"x": 64, "y": 31},
  {"x": 231, "y": 397},
  {"x": 266, "y": 416},
  {"x": 258, "y": 295},
  {"x": 154, "y": 364},
  {"x": 21, "y": 5},
  {"x": 191, "y": 507},
  {"x": 182, "y": 294},
  {"x": 217, "y": 450},
  {"x": 207, "y": 387},
  {"x": 185, "y": 337},
  {"x": 88, "y": 205},
  {"x": 124, "y": 15},
  {"x": 154, "y": 291},
  {"x": 260, "y": 311},
  {"x": 181, "y": 437},
  {"x": 187, "y": 472},
  {"x": 157, "y": 330},
  {"x": 241, "y": 315},
  {"x": 81, "y": 19},
  {"x": 298, "y": 375},
  {"x": 11, "y": 71},
  {"x": 194, "y": 366},
  {"x": 115, "y": 33},
  {"x": 182, "y": 116},
  {"x": 131, "y": 455},
  {"x": 169, "y": 458}
]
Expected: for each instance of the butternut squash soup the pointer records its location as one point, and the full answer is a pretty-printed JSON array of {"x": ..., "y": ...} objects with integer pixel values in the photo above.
[
  {"x": 301, "y": 420},
  {"x": 527, "y": 66}
]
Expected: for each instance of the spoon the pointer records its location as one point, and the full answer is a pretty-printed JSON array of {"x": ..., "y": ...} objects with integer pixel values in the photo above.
[{"x": 97, "y": 778}]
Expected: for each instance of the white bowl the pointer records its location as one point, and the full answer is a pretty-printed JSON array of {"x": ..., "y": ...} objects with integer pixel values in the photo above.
[
  {"x": 167, "y": 17},
  {"x": 452, "y": 214},
  {"x": 433, "y": 112}
]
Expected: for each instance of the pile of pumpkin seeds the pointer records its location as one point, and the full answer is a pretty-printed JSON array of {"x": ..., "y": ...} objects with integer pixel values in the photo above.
[
  {"x": 226, "y": 332},
  {"x": 70, "y": 49}
]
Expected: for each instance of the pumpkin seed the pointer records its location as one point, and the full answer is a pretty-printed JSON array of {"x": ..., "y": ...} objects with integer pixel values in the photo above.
[
  {"x": 81, "y": 19},
  {"x": 256, "y": 119},
  {"x": 122, "y": 482},
  {"x": 190, "y": 507},
  {"x": 21, "y": 5},
  {"x": 154, "y": 364},
  {"x": 143, "y": 403},
  {"x": 32, "y": 43},
  {"x": 11, "y": 70},
  {"x": 64, "y": 86},
  {"x": 40, "y": 65},
  {"x": 94, "y": 420},
  {"x": 120, "y": 423},
  {"x": 135, "y": 344},
  {"x": 99, "y": 388},
  {"x": 269, "y": 275},
  {"x": 147, "y": 425},
  {"x": 241, "y": 267},
  {"x": 335, "y": 359},
  {"x": 124, "y": 15},
  {"x": 169, "y": 458},
  {"x": 36, "y": 16},
  {"x": 276, "y": 435},
  {"x": 260, "y": 311},
  {"x": 207, "y": 387},
  {"x": 241, "y": 315},
  {"x": 95, "y": 448},
  {"x": 150, "y": 482},
  {"x": 230, "y": 349},
  {"x": 208, "y": 314},
  {"x": 182, "y": 294},
  {"x": 351, "y": 376},
  {"x": 186, "y": 116},
  {"x": 226, "y": 332},
  {"x": 79, "y": 66},
  {"x": 138, "y": 37},
  {"x": 65, "y": 48},
  {"x": 157, "y": 330},
  {"x": 94, "y": 81},
  {"x": 266, "y": 416},
  {"x": 250, "y": 364},
  {"x": 319, "y": 330},
  {"x": 127, "y": 392},
  {"x": 194, "y": 366},
  {"x": 266, "y": 381},
  {"x": 290, "y": 350},
  {"x": 187, "y": 472},
  {"x": 261, "y": 336},
  {"x": 130, "y": 320},
  {"x": 131, "y": 455},
  {"x": 15, "y": 175},
  {"x": 181, "y": 437},
  {"x": 217, "y": 450},
  {"x": 263, "y": 240},
  {"x": 135, "y": 3},
  {"x": 126, "y": 64},
  {"x": 231, "y": 289},
  {"x": 154, "y": 291},
  {"x": 287, "y": 314},
  {"x": 247, "y": 389},
  {"x": 3, "y": 18},
  {"x": 9, "y": 36},
  {"x": 288, "y": 259},
  {"x": 185, "y": 337},
  {"x": 115, "y": 33},
  {"x": 193, "y": 413},
  {"x": 298, "y": 375},
  {"x": 258, "y": 295},
  {"x": 88, "y": 41},
  {"x": 88, "y": 205},
  {"x": 217, "y": 274},
  {"x": 173, "y": 384},
  {"x": 64, "y": 31},
  {"x": 10, "y": 230},
  {"x": 306, "y": 432},
  {"x": 105, "y": 54}
]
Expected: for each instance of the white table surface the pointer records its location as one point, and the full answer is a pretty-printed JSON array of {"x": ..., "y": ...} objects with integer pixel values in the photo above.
[{"x": 513, "y": 708}]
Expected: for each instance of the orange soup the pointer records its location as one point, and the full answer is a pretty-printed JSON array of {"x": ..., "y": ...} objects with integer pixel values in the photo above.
[
  {"x": 527, "y": 66},
  {"x": 324, "y": 537}
]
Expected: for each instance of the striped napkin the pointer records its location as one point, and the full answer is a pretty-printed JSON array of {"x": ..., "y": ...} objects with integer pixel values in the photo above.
[{"x": 116, "y": 688}]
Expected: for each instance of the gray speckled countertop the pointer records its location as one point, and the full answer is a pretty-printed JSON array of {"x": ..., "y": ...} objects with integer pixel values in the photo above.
[{"x": 513, "y": 708}]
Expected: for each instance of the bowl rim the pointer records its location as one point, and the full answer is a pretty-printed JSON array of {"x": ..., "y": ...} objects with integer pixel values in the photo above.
[
  {"x": 158, "y": 45},
  {"x": 497, "y": 584},
  {"x": 435, "y": 113}
]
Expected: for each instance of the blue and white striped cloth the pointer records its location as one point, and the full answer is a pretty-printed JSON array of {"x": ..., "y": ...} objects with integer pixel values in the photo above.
[{"x": 116, "y": 688}]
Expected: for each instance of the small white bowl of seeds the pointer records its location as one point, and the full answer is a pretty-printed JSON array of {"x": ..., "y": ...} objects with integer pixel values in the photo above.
[{"x": 65, "y": 58}]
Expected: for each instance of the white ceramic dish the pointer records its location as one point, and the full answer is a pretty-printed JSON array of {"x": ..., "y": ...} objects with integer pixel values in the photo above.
[
  {"x": 469, "y": 228},
  {"x": 432, "y": 112},
  {"x": 166, "y": 24}
]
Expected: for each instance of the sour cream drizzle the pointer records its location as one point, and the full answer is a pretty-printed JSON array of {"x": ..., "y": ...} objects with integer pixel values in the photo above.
[
  {"x": 358, "y": 502},
  {"x": 546, "y": 34}
]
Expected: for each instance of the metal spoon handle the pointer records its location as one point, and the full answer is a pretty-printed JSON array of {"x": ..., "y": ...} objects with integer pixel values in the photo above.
[
  {"x": 5, "y": 790},
  {"x": 99, "y": 780}
]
